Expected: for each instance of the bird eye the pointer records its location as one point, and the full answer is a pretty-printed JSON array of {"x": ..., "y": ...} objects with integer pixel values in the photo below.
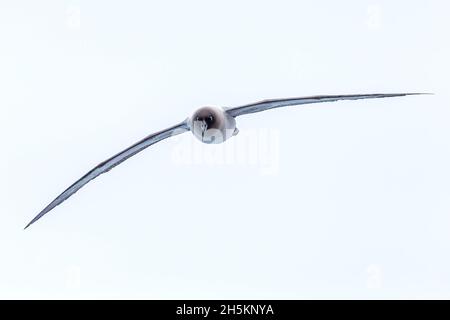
[{"x": 211, "y": 118}]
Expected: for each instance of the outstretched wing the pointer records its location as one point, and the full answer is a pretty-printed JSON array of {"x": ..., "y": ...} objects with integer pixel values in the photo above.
[
  {"x": 276, "y": 103},
  {"x": 107, "y": 165}
]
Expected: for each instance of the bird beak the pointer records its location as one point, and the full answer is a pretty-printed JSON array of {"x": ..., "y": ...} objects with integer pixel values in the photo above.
[{"x": 203, "y": 127}]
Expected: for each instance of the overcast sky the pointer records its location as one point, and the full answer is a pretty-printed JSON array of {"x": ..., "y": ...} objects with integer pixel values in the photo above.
[{"x": 338, "y": 200}]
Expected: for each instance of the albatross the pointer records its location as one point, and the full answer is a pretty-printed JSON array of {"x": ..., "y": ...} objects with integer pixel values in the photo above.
[{"x": 210, "y": 125}]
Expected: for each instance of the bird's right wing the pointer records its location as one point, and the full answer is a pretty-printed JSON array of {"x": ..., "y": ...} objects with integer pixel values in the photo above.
[
  {"x": 107, "y": 165},
  {"x": 277, "y": 103}
]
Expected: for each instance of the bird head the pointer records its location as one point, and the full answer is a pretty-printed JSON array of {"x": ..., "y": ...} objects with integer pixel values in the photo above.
[{"x": 206, "y": 124}]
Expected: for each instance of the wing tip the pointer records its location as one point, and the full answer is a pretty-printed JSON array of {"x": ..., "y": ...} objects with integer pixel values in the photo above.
[
  {"x": 418, "y": 93},
  {"x": 29, "y": 224},
  {"x": 40, "y": 215},
  {"x": 388, "y": 95}
]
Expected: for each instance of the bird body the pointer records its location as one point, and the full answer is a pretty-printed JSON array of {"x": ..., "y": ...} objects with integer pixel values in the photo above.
[{"x": 210, "y": 125}]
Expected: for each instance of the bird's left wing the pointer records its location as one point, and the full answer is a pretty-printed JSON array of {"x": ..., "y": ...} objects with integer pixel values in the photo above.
[
  {"x": 277, "y": 103},
  {"x": 107, "y": 165}
]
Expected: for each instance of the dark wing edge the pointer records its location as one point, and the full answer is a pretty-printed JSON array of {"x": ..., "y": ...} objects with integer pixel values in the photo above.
[
  {"x": 276, "y": 103},
  {"x": 107, "y": 165}
]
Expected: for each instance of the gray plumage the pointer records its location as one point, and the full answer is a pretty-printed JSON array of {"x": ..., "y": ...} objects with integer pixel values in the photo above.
[
  {"x": 107, "y": 165},
  {"x": 277, "y": 103},
  {"x": 209, "y": 125}
]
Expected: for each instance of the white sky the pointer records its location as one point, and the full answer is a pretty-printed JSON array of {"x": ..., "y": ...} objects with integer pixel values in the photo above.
[{"x": 342, "y": 200}]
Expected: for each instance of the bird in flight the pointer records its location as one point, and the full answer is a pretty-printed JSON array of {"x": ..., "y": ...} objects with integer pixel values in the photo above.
[{"x": 209, "y": 125}]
